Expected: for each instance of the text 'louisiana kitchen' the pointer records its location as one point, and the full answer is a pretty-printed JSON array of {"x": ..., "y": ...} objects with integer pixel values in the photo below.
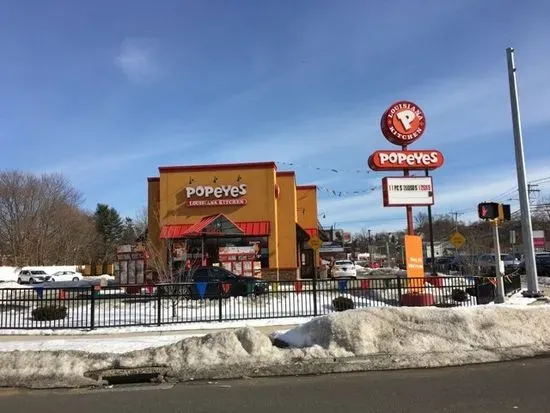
[{"x": 213, "y": 196}]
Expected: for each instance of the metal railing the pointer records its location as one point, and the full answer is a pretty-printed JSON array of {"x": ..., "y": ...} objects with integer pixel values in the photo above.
[{"x": 121, "y": 306}]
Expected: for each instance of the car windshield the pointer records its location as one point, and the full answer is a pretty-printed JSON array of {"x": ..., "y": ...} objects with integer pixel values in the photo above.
[
  {"x": 343, "y": 263},
  {"x": 38, "y": 273},
  {"x": 507, "y": 257}
]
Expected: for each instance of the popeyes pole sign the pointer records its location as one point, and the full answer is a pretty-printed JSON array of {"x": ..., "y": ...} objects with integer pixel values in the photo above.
[
  {"x": 403, "y": 123},
  {"x": 223, "y": 195}
]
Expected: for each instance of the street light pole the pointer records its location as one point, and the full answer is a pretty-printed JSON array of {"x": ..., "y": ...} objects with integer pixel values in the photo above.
[{"x": 526, "y": 226}]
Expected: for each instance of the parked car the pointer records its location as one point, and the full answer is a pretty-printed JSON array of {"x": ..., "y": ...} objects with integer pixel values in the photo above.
[
  {"x": 344, "y": 269},
  {"x": 486, "y": 263},
  {"x": 64, "y": 276},
  {"x": 31, "y": 276},
  {"x": 220, "y": 283},
  {"x": 542, "y": 262}
]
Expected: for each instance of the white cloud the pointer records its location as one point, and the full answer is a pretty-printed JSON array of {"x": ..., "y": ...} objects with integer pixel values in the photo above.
[{"x": 136, "y": 60}]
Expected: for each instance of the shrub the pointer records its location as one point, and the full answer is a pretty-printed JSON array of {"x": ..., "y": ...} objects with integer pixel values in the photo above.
[
  {"x": 343, "y": 304},
  {"x": 460, "y": 295},
  {"x": 49, "y": 313}
]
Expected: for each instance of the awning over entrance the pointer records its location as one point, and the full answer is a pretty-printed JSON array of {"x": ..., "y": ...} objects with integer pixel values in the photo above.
[{"x": 215, "y": 225}]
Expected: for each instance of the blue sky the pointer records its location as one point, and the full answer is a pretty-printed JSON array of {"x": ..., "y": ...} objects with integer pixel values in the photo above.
[{"x": 107, "y": 91}]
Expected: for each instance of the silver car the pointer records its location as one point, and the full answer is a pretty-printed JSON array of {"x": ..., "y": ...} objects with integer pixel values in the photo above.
[{"x": 31, "y": 276}]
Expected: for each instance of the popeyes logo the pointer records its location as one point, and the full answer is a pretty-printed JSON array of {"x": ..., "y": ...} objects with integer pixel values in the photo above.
[
  {"x": 403, "y": 123},
  {"x": 391, "y": 160},
  {"x": 223, "y": 195}
]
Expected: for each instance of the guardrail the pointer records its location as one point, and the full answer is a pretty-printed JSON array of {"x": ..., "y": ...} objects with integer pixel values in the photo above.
[{"x": 45, "y": 307}]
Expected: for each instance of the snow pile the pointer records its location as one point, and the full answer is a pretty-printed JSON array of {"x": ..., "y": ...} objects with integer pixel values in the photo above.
[
  {"x": 12, "y": 284},
  {"x": 384, "y": 272},
  {"x": 409, "y": 330},
  {"x": 8, "y": 274},
  {"x": 11, "y": 273},
  {"x": 381, "y": 338}
]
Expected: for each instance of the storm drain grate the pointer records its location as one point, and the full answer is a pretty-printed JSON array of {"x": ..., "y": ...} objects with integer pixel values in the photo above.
[{"x": 129, "y": 376}]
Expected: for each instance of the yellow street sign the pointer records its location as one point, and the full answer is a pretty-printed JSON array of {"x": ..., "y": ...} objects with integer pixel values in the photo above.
[
  {"x": 457, "y": 239},
  {"x": 315, "y": 243}
]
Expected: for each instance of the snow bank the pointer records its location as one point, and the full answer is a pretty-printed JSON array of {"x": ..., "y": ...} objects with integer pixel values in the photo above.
[
  {"x": 8, "y": 274},
  {"x": 11, "y": 273},
  {"x": 378, "y": 338}
]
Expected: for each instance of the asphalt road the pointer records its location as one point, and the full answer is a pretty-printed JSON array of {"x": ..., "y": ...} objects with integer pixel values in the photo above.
[{"x": 514, "y": 387}]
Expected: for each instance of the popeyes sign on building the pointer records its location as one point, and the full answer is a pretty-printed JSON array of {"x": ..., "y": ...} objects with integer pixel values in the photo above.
[{"x": 223, "y": 195}]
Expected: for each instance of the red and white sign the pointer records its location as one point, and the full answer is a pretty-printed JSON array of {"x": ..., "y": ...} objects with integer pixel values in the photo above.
[
  {"x": 216, "y": 202},
  {"x": 539, "y": 240},
  {"x": 408, "y": 190},
  {"x": 223, "y": 191},
  {"x": 413, "y": 160},
  {"x": 224, "y": 195},
  {"x": 403, "y": 123}
]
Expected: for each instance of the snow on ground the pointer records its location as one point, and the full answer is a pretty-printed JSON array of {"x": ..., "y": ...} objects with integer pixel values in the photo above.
[
  {"x": 374, "y": 338},
  {"x": 16, "y": 305},
  {"x": 12, "y": 273},
  {"x": 188, "y": 327}
]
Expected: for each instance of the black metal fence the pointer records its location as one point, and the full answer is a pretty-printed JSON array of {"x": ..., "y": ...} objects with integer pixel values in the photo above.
[{"x": 44, "y": 307}]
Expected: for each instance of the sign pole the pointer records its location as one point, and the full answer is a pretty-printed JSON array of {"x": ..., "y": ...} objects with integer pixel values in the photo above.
[
  {"x": 526, "y": 225},
  {"x": 499, "y": 296},
  {"x": 315, "y": 244},
  {"x": 431, "y": 228},
  {"x": 410, "y": 222}
]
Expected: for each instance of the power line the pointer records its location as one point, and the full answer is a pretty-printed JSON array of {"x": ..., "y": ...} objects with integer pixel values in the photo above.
[{"x": 333, "y": 170}]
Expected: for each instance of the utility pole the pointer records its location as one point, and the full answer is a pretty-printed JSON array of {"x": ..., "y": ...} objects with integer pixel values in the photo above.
[
  {"x": 526, "y": 225},
  {"x": 531, "y": 190},
  {"x": 456, "y": 215}
]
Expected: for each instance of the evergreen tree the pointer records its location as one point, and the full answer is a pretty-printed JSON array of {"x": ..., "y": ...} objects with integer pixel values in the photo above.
[
  {"x": 129, "y": 232},
  {"x": 110, "y": 229}
]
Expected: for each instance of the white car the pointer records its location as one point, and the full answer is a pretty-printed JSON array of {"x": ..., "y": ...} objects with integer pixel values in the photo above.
[
  {"x": 31, "y": 276},
  {"x": 64, "y": 276},
  {"x": 344, "y": 269}
]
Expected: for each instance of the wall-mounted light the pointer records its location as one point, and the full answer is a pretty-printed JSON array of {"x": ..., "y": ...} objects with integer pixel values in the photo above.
[
  {"x": 215, "y": 179},
  {"x": 191, "y": 180},
  {"x": 239, "y": 178}
]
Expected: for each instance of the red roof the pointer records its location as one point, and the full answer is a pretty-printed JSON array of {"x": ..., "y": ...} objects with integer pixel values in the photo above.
[
  {"x": 312, "y": 232},
  {"x": 258, "y": 228},
  {"x": 173, "y": 231},
  {"x": 249, "y": 228}
]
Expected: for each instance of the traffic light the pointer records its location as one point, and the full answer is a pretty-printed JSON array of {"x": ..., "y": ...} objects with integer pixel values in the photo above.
[
  {"x": 488, "y": 210},
  {"x": 494, "y": 210},
  {"x": 504, "y": 212}
]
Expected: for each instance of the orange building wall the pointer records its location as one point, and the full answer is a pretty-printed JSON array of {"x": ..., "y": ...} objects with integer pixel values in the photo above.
[
  {"x": 260, "y": 196},
  {"x": 307, "y": 218},
  {"x": 286, "y": 213},
  {"x": 153, "y": 217},
  {"x": 306, "y": 198}
]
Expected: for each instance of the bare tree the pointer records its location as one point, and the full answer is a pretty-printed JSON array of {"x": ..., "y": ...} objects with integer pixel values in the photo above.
[{"x": 41, "y": 221}]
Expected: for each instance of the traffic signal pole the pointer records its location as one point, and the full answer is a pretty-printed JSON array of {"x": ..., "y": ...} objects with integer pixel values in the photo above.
[
  {"x": 526, "y": 226},
  {"x": 499, "y": 296}
]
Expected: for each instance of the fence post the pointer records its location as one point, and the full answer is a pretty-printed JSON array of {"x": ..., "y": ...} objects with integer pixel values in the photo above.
[
  {"x": 220, "y": 291},
  {"x": 399, "y": 291},
  {"x": 159, "y": 306},
  {"x": 315, "y": 295},
  {"x": 92, "y": 307}
]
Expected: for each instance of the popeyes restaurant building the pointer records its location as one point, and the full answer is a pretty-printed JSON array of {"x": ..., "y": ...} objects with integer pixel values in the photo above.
[{"x": 247, "y": 218}]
